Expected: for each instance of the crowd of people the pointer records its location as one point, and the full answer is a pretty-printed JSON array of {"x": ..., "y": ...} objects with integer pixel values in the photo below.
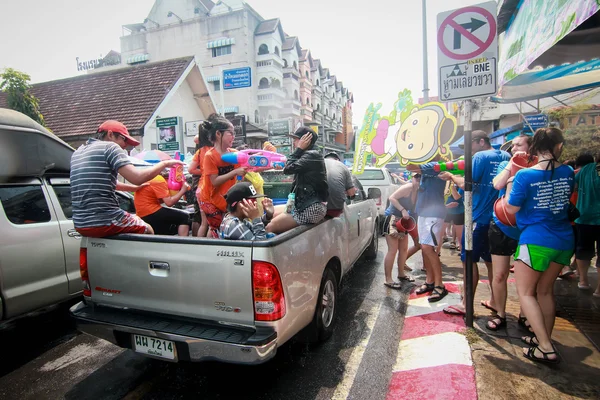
[{"x": 528, "y": 207}]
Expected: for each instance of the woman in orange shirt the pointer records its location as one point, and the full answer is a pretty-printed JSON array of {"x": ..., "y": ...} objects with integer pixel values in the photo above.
[
  {"x": 195, "y": 168},
  {"x": 218, "y": 176}
]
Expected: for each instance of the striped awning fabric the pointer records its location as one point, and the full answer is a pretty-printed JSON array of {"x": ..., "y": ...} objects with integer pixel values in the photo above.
[
  {"x": 220, "y": 43},
  {"x": 213, "y": 78},
  {"x": 138, "y": 58},
  {"x": 233, "y": 109}
]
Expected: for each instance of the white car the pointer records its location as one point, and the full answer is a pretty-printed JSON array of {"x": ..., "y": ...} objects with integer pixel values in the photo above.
[{"x": 381, "y": 179}]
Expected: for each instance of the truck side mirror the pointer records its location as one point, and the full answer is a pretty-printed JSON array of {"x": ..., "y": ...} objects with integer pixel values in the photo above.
[{"x": 374, "y": 193}]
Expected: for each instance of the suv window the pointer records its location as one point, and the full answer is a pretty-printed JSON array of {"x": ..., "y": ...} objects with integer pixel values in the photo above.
[
  {"x": 372, "y": 175},
  {"x": 63, "y": 193},
  {"x": 24, "y": 204}
]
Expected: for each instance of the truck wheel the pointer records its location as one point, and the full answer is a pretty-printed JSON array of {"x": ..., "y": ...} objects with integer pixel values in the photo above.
[
  {"x": 321, "y": 327},
  {"x": 371, "y": 251}
]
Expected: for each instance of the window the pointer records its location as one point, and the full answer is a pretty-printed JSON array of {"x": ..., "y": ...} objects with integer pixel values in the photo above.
[
  {"x": 285, "y": 63},
  {"x": 126, "y": 202},
  {"x": 372, "y": 175},
  {"x": 217, "y": 85},
  {"x": 318, "y": 107},
  {"x": 306, "y": 73},
  {"x": 221, "y": 51},
  {"x": 318, "y": 83},
  {"x": 334, "y": 116},
  {"x": 275, "y": 83},
  {"x": 295, "y": 65},
  {"x": 276, "y": 51},
  {"x": 256, "y": 117},
  {"x": 263, "y": 83},
  {"x": 24, "y": 204},
  {"x": 63, "y": 193},
  {"x": 295, "y": 95},
  {"x": 263, "y": 49},
  {"x": 285, "y": 93},
  {"x": 307, "y": 101}
]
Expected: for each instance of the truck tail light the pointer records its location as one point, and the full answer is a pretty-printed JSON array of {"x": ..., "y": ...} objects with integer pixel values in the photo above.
[
  {"x": 269, "y": 299},
  {"x": 83, "y": 270}
]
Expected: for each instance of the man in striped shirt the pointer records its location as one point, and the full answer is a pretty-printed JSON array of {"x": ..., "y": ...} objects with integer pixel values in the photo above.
[{"x": 94, "y": 169}]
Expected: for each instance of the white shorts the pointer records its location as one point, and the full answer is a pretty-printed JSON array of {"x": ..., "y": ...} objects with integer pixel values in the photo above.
[{"x": 429, "y": 230}]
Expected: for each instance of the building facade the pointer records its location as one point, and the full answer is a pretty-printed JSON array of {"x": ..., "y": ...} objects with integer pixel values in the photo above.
[{"x": 286, "y": 82}]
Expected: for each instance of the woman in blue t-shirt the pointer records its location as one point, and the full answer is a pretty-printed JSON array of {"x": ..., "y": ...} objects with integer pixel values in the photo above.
[{"x": 540, "y": 198}]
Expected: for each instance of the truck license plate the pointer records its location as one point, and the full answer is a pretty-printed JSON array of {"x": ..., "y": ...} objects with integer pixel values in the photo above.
[{"x": 154, "y": 347}]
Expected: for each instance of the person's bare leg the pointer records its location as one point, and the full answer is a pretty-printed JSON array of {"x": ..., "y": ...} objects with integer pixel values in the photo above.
[
  {"x": 583, "y": 266},
  {"x": 545, "y": 295},
  {"x": 390, "y": 257},
  {"x": 490, "y": 269},
  {"x": 459, "y": 233},
  {"x": 498, "y": 283},
  {"x": 434, "y": 265},
  {"x": 402, "y": 255},
  {"x": 203, "y": 226},
  {"x": 527, "y": 281},
  {"x": 195, "y": 228},
  {"x": 281, "y": 223},
  {"x": 183, "y": 230}
]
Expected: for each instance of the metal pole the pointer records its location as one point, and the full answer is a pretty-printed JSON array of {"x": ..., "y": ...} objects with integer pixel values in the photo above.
[
  {"x": 222, "y": 93},
  {"x": 322, "y": 122},
  {"x": 425, "y": 66},
  {"x": 468, "y": 217}
]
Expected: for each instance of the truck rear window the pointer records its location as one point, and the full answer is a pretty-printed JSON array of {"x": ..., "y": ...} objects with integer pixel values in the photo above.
[{"x": 371, "y": 175}]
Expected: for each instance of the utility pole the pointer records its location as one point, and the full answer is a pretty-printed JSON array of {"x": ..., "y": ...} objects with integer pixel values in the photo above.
[
  {"x": 425, "y": 66},
  {"x": 468, "y": 216}
]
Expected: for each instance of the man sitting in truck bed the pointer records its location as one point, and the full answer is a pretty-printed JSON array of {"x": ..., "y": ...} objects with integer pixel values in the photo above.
[
  {"x": 94, "y": 168},
  {"x": 242, "y": 208}
]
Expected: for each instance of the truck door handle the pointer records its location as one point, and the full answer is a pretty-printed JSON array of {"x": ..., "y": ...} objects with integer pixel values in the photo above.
[
  {"x": 74, "y": 234},
  {"x": 160, "y": 265}
]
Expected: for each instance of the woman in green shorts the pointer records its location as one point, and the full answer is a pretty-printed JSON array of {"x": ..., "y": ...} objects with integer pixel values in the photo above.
[{"x": 540, "y": 198}]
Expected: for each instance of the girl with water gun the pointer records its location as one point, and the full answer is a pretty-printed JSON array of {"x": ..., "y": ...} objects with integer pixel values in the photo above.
[{"x": 200, "y": 224}]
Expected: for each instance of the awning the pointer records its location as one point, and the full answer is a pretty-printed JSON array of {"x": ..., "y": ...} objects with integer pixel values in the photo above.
[
  {"x": 506, "y": 131},
  {"x": 220, "y": 43},
  {"x": 551, "y": 81},
  {"x": 234, "y": 109},
  {"x": 138, "y": 58},
  {"x": 213, "y": 78}
]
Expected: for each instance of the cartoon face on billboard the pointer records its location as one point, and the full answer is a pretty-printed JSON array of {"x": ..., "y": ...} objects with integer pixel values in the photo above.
[{"x": 413, "y": 133}]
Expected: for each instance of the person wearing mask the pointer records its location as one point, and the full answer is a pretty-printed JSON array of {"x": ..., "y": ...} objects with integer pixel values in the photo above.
[
  {"x": 485, "y": 164},
  {"x": 218, "y": 176},
  {"x": 310, "y": 184},
  {"x": 94, "y": 169},
  {"x": 244, "y": 220},
  {"x": 540, "y": 199},
  {"x": 504, "y": 241},
  {"x": 401, "y": 207},
  {"x": 339, "y": 181},
  {"x": 148, "y": 206},
  {"x": 587, "y": 184}
]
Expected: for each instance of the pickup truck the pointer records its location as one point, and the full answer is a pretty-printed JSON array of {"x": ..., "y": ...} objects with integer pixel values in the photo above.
[
  {"x": 197, "y": 299},
  {"x": 39, "y": 252},
  {"x": 381, "y": 179}
]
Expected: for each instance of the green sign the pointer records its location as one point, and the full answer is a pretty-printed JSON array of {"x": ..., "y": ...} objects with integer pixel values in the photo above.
[
  {"x": 163, "y": 122},
  {"x": 278, "y": 127},
  {"x": 170, "y": 146}
]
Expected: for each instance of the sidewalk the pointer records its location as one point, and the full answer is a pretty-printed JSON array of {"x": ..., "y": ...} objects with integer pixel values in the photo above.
[{"x": 433, "y": 345}]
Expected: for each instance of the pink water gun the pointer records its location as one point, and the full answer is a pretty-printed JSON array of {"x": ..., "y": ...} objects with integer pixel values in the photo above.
[
  {"x": 175, "y": 181},
  {"x": 254, "y": 159}
]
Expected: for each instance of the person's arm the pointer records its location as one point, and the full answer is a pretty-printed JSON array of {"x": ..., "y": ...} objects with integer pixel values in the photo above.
[
  {"x": 126, "y": 187},
  {"x": 350, "y": 189},
  {"x": 194, "y": 167},
  {"x": 172, "y": 200},
  {"x": 502, "y": 176},
  {"x": 458, "y": 180},
  {"x": 403, "y": 191},
  {"x": 516, "y": 196},
  {"x": 217, "y": 180},
  {"x": 137, "y": 176},
  {"x": 454, "y": 192}
]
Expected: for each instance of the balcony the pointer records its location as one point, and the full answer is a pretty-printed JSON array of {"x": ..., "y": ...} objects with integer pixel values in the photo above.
[
  {"x": 291, "y": 107},
  {"x": 270, "y": 97}
]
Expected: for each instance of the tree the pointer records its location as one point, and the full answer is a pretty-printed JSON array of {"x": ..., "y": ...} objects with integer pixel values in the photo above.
[{"x": 16, "y": 86}]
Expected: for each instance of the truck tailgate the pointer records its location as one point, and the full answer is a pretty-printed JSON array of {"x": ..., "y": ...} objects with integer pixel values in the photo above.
[{"x": 179, "y": 276}]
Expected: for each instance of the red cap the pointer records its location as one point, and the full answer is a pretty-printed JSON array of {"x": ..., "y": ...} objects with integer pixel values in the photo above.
[{"x": 117, "y": 127}]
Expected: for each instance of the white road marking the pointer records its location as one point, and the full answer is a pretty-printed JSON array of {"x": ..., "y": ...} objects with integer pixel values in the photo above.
[
  {"x": 343, "y": 388},
  {"x": 433, "y": 351},
  {"x": 75, "y": 355},
  {"x": 421, "y": 306}
]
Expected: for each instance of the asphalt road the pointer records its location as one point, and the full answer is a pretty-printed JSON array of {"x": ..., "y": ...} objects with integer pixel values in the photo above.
[{"x": 43, "y": 357}]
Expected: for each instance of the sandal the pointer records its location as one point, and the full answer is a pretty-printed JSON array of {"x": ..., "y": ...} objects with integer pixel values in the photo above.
[
  {"x": 486, "y": 304},
  {"x": 545, "y": 359},
  {"x": 452, "y": 246},
  {"x": 406, "y": 278},
  {"x": 453, "y": 310},
  {"x": 436, "y": 295},
  {"x": 522, "y": 321},
  {"x": 425, "y": 288},
  {"x": 497, "y": 322},
  {"x": 394, "y": 285},
  {"x": 530, "y": 340}
]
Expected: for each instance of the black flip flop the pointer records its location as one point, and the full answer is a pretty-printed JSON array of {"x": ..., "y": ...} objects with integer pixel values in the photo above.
[
  {"x": 406, "y": 278},
  {"x": 393, "y": 285}
]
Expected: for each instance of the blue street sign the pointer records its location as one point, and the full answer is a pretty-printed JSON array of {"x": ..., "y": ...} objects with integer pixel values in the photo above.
[
  {"x": 534, "y": 122},
  {"x": 237, "y": 78}
]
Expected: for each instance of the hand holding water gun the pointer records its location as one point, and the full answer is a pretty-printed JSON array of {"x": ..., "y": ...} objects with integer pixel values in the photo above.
[
  {"x": 456, "y": 167},
  {"x": 175, "y": 181},
  {"x": 255, "y": 159}
]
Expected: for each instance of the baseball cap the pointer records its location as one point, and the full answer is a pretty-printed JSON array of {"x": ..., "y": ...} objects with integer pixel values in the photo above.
[
  {"x": 303, "y": 130},
  {"x": 118, "y": 127},
  {"x": 239, "y": 192}
]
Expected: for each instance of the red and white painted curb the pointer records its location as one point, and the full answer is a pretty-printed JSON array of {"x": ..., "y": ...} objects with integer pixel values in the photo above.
[{"x": 434, "y": 358}]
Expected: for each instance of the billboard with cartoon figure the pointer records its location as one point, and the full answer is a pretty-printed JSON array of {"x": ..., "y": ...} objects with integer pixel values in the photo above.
[{"x": 412, "y": 133}]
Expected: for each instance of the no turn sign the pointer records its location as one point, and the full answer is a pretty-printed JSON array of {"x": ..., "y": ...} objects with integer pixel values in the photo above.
[{"x": 467, "y": 51}]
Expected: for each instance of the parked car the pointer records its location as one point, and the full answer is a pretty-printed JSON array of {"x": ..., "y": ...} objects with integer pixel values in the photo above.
[
  {"x": 381, "y": 179},
  {"x": 197, "y": 299},
  {"x": 39, "y": 252}
]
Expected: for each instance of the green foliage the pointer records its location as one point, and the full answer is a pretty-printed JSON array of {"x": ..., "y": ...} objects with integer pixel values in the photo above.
[
  {"x": 16, "y": 86},
  {"x": 581, "y": 139}
]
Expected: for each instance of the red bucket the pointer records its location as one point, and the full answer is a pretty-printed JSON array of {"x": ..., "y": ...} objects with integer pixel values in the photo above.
[
  {"x": 406, "y": 225},
  {"x": 521, "y": 161},
  {"x": 504, "y": 216}
]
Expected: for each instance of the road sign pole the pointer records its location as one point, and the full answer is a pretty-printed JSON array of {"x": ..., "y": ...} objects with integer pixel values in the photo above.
[
  {"x": 468, "y": 200},
  {"x": 425, "y": 63}
]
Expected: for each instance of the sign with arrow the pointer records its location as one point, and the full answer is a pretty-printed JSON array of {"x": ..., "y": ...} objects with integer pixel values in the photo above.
[{"x": 467, "y": 52}]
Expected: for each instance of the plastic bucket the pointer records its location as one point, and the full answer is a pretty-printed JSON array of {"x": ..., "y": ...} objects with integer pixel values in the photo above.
[
  {"x": 504, "y": 216},
  {"x": 406, "y": 225},
  {"x": 521, "y": 161}
]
